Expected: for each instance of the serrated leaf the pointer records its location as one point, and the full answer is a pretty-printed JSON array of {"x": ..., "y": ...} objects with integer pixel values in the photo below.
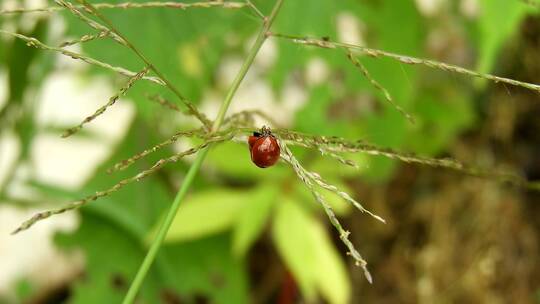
[{"x": 252, "y": 219}]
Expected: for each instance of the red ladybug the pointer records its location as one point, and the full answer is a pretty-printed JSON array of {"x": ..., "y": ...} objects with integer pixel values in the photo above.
[{"x": 264, "y": 148}]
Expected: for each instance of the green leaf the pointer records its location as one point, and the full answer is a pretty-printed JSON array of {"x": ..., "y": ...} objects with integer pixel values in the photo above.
[
  {"x": 313, "y": 117},
  {"x": 111, "y": 257},
  {"x": 309, "y": 254},
  {"x": 184, "y": 271},
  {"x": 390, "y": 130},
  {"x": 19, "y": 59},
  {"x": 252, "y": 218},
  {"x": 208, "y": 266},
  {"x": 332, "y": 279},
  {"x": 440, "y": 119},
  {"x": 24, "y": 290},
  {"x": 290, "y": 232},
  {"x": 498, "y": 21},
  {"x": 291, "y": 22},
  {"x": 205, "y": 213}
]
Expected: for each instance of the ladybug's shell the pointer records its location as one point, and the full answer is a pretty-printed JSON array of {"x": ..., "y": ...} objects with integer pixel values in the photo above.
[
  {"x": 264, "y": 150},
  {"x": 252, "y": 140}
]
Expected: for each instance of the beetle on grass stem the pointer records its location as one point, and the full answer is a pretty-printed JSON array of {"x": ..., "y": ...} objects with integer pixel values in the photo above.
[{"x": 264, "y": 148}]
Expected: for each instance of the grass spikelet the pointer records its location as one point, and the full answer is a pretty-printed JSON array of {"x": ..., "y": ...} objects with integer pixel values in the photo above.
[
  {"x": 141, "y": 175},
  {"x": 110, "y": 103},
  {"x": 85, "y": 38},
  {"x": 339, "y": 158},
  {"x": 91, "y": 23},
  {"x": 307, "y": 179},
  {"x": 135, "y": 5},
  {"x": 378, "y": 86},
  {"x": 405, "y": 59},
  {"x": 165, "y": 103},
  {"x": 340, "y": 145},
  {"x": 344, "y": 195},
  {"x": 35, "y": 43},
  {"x": 191, "y": 109},
  {"x": 128, "y": 162},
  {"x": 247, "y": 118}
]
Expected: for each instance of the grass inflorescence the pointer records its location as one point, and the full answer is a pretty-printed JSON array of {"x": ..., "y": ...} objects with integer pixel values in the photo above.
[
  {"x": 376, "y": 53},
  {"x": 33, "y": 42},
  {"x": 234, "y": 127},
  {"x": 132, "y": 5},
  {"x": 110, "y": 103}
]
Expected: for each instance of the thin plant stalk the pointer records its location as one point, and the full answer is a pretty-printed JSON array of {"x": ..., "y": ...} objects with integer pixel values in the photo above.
[
  {"x": 130, "y": 5},
  {"x": 376, "y": 53},
  {"x": 166, "y": 224},
  {"x": 193, "y": 110},
  {"x": 35, "y": 43}
]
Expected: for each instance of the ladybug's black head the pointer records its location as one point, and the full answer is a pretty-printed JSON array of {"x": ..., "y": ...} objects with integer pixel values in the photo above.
[{"x": 266, "y": 131}]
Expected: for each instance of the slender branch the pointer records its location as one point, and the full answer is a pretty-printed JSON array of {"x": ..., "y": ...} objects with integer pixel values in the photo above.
[
  {"x": 128, "y": 162},
  {"x": 307, "y": 178},
  {"x": 91, "y": 23},
  {"x": 377, "y": 85},
  {"x": 111, "y": 27},
  {"x": 255, "y": 9},
  {"x": 167, "y": 104},
  {"x": 85, "y": 38},
  {"x": 136, "y": 178},
  {"x": 33, "y": 42},
  {"x": 246, "y": 117},
  {"x": 338, "y": 157},
  {"x": 110, "y": 103},
  {"x": 340, "y": 145},
  {"x": 405, "y": 59},
  {"x": 315, "y": 177},
  {"x": 130, "y": 5}
]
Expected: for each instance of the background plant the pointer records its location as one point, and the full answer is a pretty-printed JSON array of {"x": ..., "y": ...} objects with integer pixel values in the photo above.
[{"x": 393, "y": 132}]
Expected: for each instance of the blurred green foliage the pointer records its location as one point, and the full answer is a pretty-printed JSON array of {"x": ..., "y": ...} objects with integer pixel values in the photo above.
[{"x": 206, "y": 249}]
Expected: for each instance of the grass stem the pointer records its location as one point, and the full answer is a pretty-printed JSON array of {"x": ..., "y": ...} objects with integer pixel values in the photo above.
[{"x": 166, "y": 224}]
